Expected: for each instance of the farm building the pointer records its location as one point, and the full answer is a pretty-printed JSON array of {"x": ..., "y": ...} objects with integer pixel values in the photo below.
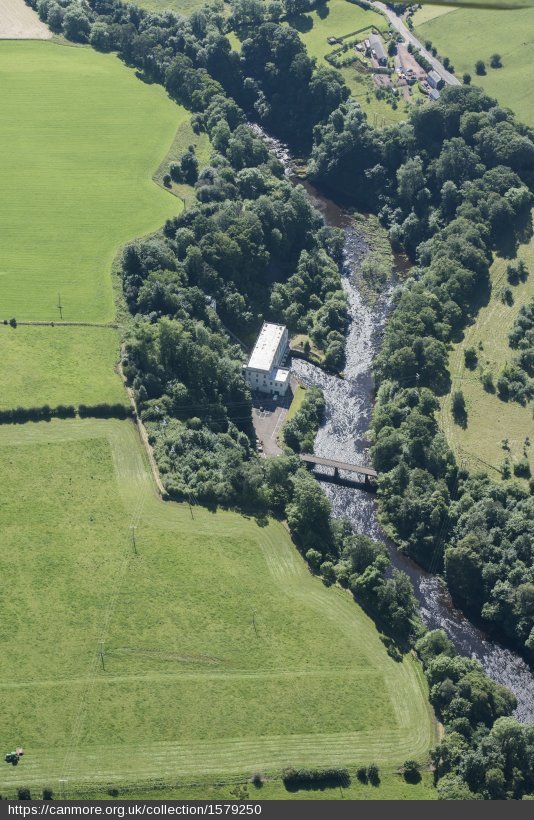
[
  {"x": 263, "y": 372},
  {"x": 434, "y": 80},
  {"x": 433, "y": 94},
  {"x": 377, "y": 49}
]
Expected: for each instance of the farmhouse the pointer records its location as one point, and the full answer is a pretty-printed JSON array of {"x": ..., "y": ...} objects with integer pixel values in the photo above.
[
  {"x": 263, "y": 372},
  {"x": 434, "y": 80},
  {"x": 377, "y": 49}
]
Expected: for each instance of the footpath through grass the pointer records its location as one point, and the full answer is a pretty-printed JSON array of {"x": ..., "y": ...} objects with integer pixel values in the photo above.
[
  {"x": 203, "y": 649},
  {"x": 490, "y": 420},
  {"x": 467, "y": 35}
]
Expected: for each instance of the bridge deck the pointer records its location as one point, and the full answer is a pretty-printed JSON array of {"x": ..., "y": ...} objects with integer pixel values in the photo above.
[{"x": 339, "y": 465}]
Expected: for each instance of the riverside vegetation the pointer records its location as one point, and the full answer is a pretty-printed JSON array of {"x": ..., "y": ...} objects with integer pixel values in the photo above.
[{"x": 453, "y": 183}]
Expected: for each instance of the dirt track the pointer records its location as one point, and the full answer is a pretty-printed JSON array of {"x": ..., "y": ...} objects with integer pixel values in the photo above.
[{"x": 19, "y": 22}]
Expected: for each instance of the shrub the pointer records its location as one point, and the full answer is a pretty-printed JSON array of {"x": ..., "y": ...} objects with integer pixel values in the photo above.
[
  {"x": 411, "y": 771},
  {"x": 315, "y": 778},
  {"x": 507, "y": 297},
  {"x": 23, "y": 793},
  {"x": 258, "y": 780},
  {"x": 466, "y": 78},
  {"x": 167, "y": 180},
  {"x": 522, "y": 468},
  {"x": 496, "y": 61},
  {"x": 458, "y": 406},
  {"x": 480, "y": 68},
  {"x": 48, "y": 794},
  {"x": 470, "y": 358},
  {"x": 13, "y": 322},
  {"x": 373, "y": 774}
]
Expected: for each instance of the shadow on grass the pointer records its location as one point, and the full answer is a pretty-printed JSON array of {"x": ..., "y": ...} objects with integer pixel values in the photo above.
[{"x": 302, "y": 23}]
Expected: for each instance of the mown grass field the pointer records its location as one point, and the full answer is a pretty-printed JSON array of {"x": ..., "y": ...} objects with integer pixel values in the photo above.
[
  {"x": 81, "y": 138},
  {"x": 185, "y": 7},
  {"x": 490, "y": 420},
  {"x": 222, "y": 655},
  {"x": 468, "y": 35},
  {"x": 59, "y": 365}
]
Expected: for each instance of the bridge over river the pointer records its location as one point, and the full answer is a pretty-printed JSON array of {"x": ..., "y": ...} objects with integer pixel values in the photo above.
[{"x": 365, "y": 476}]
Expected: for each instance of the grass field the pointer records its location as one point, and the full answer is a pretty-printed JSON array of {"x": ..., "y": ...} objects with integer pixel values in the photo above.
[
  {"x": 429, "y": 12},
  {"x": 490, "y": 420},
  {"x": 184, "y": 7},
  {"x": 467, "y": 35},
  {"x": 227, "y": 653},
  {"x": 59, "y": 365},
  {"x": 82, "y": 138}
]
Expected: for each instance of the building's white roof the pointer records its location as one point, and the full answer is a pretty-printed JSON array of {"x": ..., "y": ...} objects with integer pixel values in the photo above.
[
  {"x": 280, "y": 374},
  {"x": 435, "y": 76},
  {"x": 262, "y": 356}
]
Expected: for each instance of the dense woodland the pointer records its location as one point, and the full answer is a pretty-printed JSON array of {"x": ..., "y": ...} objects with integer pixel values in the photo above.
[{"x": 453, "y": 185}]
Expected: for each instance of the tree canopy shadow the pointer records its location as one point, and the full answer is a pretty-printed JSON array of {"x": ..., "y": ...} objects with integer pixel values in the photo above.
[{"x": 302, "y": 23}]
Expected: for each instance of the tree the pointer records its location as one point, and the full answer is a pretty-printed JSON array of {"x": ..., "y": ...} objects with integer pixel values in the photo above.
[
  {"x": 459, "y": 410},
  {"x": 496, "y": 61},
  {"x": 466, "y": 78},
  {"x": 76, "y": 24},
  {"x": 480, "y": 68}
]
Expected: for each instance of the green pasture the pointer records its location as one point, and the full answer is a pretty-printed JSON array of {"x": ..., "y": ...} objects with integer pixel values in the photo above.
[
  {"x": 490, "y": 420},
  {"x": 146, "y": 642},
  {"x": 59, "y": 365},
  {"x": 467, "y": 35},
  {"x": 81, "y": 137},
  {"x": 185, "y": 7},
  {"x": 429, "y": 11}
]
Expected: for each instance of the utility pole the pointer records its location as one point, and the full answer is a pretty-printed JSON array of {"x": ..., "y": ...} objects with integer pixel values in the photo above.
[
  {"x": 190, "y": 507},
  {"x": 254, "y": 621},
  {"x": 102, "y": 655},
  {"x": 60, "y": 306}
]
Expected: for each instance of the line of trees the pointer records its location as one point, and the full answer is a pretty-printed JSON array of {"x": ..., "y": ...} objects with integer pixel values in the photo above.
[{"x": 20, "y": 415}]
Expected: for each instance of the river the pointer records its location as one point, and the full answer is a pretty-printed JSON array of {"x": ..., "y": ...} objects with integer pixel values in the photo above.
[{"x": 343, "y": 436}]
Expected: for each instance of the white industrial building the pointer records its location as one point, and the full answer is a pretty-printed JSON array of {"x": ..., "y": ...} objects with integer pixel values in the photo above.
[{"x": 263, "y": 372}]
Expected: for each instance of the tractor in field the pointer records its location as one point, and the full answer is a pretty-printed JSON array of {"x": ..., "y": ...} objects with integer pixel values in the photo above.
[{"x": 14, "y": 757}]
